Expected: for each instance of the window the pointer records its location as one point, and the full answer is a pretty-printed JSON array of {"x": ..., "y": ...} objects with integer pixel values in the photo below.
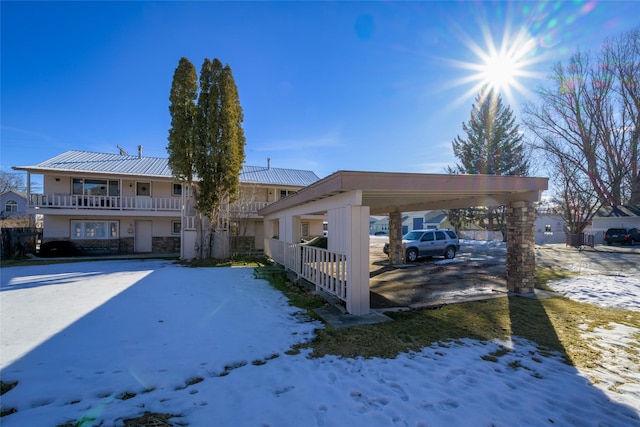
[
  {"x": 285, "y": 193},
  {"x": 95, "y": 187},
  {"x": 547, "y": 228},
  {"x": 177, "y": 189},
  {"x": 234, "y": 228},
  {"x": 11, "y": 206},
  {"x": 440, "y": 235},
  {"x": 143, "y": 189},
  {"x": 305, "y": 229},
  {"x": 94, "y": 229},
  {"x": 428, "y": 237},
  {"x": 176, "y": 227}
]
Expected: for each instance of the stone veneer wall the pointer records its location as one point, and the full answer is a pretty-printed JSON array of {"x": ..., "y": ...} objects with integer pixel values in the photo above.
[
  {"x": 521, "y": 257},
  {"x": 120, "y": 246},
  {"x": 396, "y": 254},
  {"x": 165, "y": 245}
]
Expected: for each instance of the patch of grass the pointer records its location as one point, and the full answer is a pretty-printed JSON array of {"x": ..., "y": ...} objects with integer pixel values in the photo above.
[
  {"x": 298, "y": 296},
  {"x": 555, "y": 324},
  {"x": 7, "y": 386},
  {"x": 8, "y": 411},
  {"x": 235, "y": 261},
  {"x": 150, "y": 419},
  {"x": 194, "y": 380},
  {"x": 126, "y": 395},
  {"x": 495, "y": 355},
  {"x": 545, "y": 275},
  {"x": 4, "y": 388}
]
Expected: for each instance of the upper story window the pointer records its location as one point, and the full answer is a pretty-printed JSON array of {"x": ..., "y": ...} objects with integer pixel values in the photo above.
[
  {"x": 177, "y": 189},
  {"x": 285, "y": 193},
  {"x": 11, "y": 206},
  {"x": 95, "y": 187},
  {"x": 143, "y": 189}
]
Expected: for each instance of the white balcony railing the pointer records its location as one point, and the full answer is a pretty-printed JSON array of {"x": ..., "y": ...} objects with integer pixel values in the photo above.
[
  {"x": 247, "y": 207},
  {"x": 74, "y": 201}
]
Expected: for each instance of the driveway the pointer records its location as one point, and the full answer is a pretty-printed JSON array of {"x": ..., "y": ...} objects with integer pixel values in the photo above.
[{"x": 478, "y": 271}]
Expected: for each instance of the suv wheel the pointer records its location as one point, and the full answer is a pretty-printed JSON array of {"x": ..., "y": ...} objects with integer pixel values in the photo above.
[
  {"x": 412, "y": 255},
  {"x": 450, "y": 252}
]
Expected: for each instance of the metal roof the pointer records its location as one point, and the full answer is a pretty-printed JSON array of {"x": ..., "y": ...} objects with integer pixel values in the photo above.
[
  {"x": 270, "y": 175},
  {"x": 619, "y": 211},
  {"x": 121, "y": 164}
]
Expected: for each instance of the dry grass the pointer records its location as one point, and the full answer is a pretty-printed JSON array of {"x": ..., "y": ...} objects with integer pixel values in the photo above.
[{"x": 152, "y": 420}]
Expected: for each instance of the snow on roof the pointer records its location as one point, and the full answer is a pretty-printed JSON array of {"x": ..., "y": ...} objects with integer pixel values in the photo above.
[{"x": 123, "y": 164}]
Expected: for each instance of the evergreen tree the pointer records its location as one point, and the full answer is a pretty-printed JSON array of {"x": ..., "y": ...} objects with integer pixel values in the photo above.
[
  {"x": 493, "y": 146},
  {"x": 182, "y": 135},
  {"x": 206, "y": 138},
  {"x": 494, "y": 143}
]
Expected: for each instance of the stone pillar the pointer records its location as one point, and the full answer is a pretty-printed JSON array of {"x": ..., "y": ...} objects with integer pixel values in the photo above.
[
  {"x": 521, "y": 257},
  {"x": 396, "y": 254}
]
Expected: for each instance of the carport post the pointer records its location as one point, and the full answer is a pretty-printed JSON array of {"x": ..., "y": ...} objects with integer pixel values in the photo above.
[
  {"x": 521, "y": 257},
  {"x": 396, "y": 253},
  {"x": 358, "y": 260}
]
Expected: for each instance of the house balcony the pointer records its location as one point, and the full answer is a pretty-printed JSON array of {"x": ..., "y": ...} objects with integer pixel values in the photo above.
[
  {"x": 246, "y": 209},
  {"x": 69, "y": 204}
]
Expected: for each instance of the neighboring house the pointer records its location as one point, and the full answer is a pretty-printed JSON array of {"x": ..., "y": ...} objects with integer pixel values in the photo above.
[
  {"x": 436, "y": 219},
  {"x": 422, "y": 220},
  {"x": 132, "y": 204},
  {"x": 613, "y": 216},
  {"x": 411, "y": 221},
  {"x": 549, "y": 228},
  {"x": 378, "y": 225},
  {"x": 13, "y": 204}
]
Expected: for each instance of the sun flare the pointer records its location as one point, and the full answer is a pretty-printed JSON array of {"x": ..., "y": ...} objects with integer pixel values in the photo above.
[
  {"x": 500, "y": 72},
  {"x": 501, "y": 66}
]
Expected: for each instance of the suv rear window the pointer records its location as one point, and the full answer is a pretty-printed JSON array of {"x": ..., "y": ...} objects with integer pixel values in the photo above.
[
  {"x": 451, "y": 234},
  {"x": 617, "y": 230}
]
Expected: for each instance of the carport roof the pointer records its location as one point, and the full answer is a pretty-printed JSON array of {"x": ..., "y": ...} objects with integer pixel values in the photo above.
[{"x": 386, "y": 192}]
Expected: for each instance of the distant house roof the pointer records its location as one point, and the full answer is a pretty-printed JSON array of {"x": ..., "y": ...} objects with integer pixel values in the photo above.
[
  {"x": 435, "y": 217},
  {"x": 119, "y": 164},
  {"x": 618, "y": 211},
  {"x": 21, "y": 194}
]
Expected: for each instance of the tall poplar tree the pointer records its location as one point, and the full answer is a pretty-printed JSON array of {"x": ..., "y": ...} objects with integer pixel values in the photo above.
[
  {"x": 493, "y": 146},
  {"x": 212, "y": 144},
  {"x": 184, "y": 116}
]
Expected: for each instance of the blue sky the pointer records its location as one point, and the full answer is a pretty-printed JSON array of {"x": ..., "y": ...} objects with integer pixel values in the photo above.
[{"x": 324, "y": 86}]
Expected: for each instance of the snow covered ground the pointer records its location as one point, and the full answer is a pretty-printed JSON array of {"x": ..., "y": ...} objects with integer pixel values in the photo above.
[{"x": 109, "y": 340}]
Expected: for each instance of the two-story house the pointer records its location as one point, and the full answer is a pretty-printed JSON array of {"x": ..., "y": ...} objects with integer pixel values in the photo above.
[{"x": 126, "y": 204}]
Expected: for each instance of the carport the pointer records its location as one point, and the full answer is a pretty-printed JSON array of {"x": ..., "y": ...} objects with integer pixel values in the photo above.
[{"x": 346, "y": 199}]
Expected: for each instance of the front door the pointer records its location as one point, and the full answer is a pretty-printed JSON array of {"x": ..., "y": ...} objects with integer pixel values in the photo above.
[{"x": 143, "y": 236}]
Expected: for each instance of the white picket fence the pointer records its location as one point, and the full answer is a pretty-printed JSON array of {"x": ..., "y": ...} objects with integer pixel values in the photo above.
[{"x": 326, "y": 270}]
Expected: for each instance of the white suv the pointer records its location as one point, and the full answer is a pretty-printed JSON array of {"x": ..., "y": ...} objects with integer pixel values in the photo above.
[{"x": 426, "y": 243}]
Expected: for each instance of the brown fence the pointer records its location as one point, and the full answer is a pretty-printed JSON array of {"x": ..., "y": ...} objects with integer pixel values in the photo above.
[
  {"x": 19, "y": 241},
  {"x": 581, "y": 239}
]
